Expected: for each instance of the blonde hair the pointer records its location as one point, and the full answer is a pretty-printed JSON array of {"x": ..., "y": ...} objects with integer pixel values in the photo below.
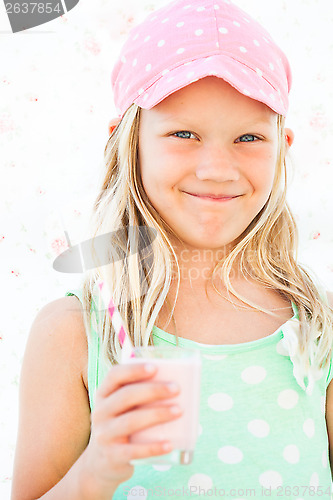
[{"x": 266, "y": 251}]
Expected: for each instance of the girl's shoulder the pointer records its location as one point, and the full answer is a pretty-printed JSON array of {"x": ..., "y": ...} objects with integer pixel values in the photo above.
[{"x": 58, "y": 327}]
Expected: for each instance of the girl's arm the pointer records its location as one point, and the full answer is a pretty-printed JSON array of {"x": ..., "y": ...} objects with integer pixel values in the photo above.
[
  {"x": 54, "y": 423},
  {"x": 329, "y": 421},
  {"x": 329, "y": 403},
  {"x": 62, "y": 451}
]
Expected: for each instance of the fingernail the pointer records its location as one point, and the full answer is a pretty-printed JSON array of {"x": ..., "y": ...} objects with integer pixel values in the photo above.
[
  {"x": 172, "y": 387},
  {"x": 175, "y": 410},
  {"x": 150, "y": 368}
]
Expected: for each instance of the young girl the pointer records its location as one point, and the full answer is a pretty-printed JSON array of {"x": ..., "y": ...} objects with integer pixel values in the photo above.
[{"x": 198, "y": 155}]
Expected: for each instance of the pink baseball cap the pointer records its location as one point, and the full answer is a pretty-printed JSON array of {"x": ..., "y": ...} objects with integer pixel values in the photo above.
[{"x": 187, "y": 40}]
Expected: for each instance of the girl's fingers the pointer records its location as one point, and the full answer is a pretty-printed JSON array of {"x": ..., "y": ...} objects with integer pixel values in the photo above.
[
  {"x": 137, "y": 420},
  {"x": 128, "y": 397},
  {"x": 129, "y": 451},
  {"x": 120, "y": 375}
]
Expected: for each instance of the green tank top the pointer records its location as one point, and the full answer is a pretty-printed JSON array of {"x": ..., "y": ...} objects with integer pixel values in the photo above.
[{"x": 260, "y": 435}]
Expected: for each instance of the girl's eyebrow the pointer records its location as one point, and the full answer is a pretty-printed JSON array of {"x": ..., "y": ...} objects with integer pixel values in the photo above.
[{"x": 262, "y": 120}]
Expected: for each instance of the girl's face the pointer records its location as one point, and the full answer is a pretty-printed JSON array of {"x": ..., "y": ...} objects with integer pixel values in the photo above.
[{"x": 208, "y": 139}]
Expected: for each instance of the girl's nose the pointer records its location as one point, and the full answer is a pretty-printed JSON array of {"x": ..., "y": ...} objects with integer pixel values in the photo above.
[{"x": 217, "y": 163}]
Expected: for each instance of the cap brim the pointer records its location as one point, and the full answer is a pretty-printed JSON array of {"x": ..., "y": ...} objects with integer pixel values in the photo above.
[{"x": 230, "y": 70}]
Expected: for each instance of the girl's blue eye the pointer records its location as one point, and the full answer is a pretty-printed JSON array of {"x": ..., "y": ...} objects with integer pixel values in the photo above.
[
  {"x": 184, "y": 134},
  {"x": 247, "y": 138}
]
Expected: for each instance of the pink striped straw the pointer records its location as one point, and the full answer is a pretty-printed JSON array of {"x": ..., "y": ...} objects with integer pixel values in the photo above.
[{"x": 117, "y": 322}]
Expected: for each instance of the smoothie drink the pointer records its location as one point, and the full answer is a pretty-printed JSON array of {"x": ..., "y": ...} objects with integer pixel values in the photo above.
[{"x": 182, "y": 366}]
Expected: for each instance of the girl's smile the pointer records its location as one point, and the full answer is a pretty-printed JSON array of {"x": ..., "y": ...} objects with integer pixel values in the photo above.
[{"x": 207, "y": 158}]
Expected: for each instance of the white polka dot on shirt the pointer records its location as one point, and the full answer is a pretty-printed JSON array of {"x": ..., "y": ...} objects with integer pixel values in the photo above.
[
  {"x": 271, "y": 65},
  {"x": 243, "y": 49},
  {"x": 148, "y": 67},
  {"x": 224, "y": 31},
  {"x": 253, "y": 374},
  {"x": 134, "y": 63},
  {"x": 200, "y": 481},
  {"x": 256, "y": 43},
  {"x": 198, "y": 32},
  {"x": 258, "y": 428},
  {"x": 200, "y": 9},
  {"x": 291, "y": 454},
  {"x": 270, "y": 479},
  {"x": 162, "y": 467},
  {"x": 165, "y": 20},
  {"x": 287, "y": 399},
  {"x": 161, "y": 43},
  {"x": 147, "y": 38},
  {"x": 216, "y": 7},
  {"x": 180, "y": 51},
  {"x": 309, "y": 427},
  {"x": 180, "y": 25},
  {"x": 230, "y": 455},
  {"x": 220, "y": 401},
  {"x": 137, "y": 492},
  {"x": 165, "y": 71},
  {"x": 236, "y": 23},
  {"x": 314, "y": 480}
]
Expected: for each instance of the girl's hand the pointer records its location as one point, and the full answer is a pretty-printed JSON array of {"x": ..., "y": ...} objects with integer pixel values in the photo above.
[{"x": 117, "y": 415}]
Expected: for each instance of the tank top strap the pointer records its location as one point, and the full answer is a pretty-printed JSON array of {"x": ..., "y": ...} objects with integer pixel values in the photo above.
[{"x": 95, "y": 371}]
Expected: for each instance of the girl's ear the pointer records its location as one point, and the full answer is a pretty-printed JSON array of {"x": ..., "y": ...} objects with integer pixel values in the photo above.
[
  {"x": 112, "y": 124},
  {"x": 289, "y": 136}
]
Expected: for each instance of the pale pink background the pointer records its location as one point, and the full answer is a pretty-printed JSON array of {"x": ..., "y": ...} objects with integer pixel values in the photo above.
[{"x": 55, "y": 105}]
